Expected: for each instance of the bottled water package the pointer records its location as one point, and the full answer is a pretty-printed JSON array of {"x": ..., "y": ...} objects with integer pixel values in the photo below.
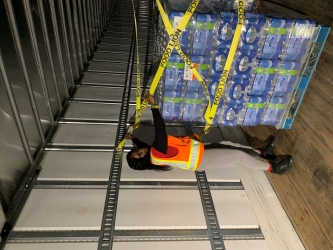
[
  {"x": 243, "y": 69},
  {"x": 277, "y": 33},
  {"x": 287, "y": 75},
  {"x": 201, "y": 63},
  {"x": 262, "y": 77},
  {"x": 218, "y": 59},
  {"x": 203, "y": 34},
  {"x": 174, "y": 73},
  {"x": 232, "y": 113},
  {"x": 172, "y": 105},
  {"x": 252, "y": 31},
  {"x": 253, "y": 111},
  {"x": 235, "y": 104},
  {"x": 270, "y": 53},
  {"x": 274, "y": 111},
  {"x": 185, "y": 38},
  {"x": 236, "y": 92},
  {"x": 225, "y": 30},
  {"x": 244, "y": 62},
  {"x": 297, "y": 44},
  {"x": 193, "y": 109}
]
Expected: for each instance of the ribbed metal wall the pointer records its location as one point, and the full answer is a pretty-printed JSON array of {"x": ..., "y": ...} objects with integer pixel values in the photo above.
[{"x": 45, "y": 45}]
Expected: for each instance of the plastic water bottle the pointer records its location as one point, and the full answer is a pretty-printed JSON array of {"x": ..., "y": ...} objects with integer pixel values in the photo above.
[
  {"x": 236, "y": 105},
  {"x": 236, "y": 92},
  {"x": 217, "y": 63},
  {"x": 225, "y": 30},
  {"x": 244, "y": 62},
  {"x": 287, "y": 75},
  {"x": 253, "y": 30},
  {"x": 243, "y": 65},
  {"x": 297, "y": 44},
  {"x": 192, "y": 106},
  {"x": 175, "y": 17},
  {"x": 228, "y": 116},
  {"x": 174, "y": 73},
  {"x": 171, "y": 105},
  {"x": 274, "y": 111},
  {"x": 276, "y": 35},
  {"x": 263, "y": 77},
  {"x": 204, "y": 33},
  {"x": 255, "y": 108},
  {"x": 202, "y": 65}
]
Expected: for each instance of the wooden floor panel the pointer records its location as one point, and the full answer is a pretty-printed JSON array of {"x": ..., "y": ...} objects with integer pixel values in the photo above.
[{"x": 307, "y": 190}]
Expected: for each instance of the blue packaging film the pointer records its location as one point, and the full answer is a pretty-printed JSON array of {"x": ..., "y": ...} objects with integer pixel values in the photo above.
[
  {"x": 225, "y": 30},
  {"x": 174, "y": 73},
  {"x": 277, "y": 34},
  {"x": 255, "y": 108},
  {"x": 296, "y": 45},
  {"x": 192, "y": 106},
  {"x": 287, "y": 75},
  {"x": 171, "y": 105},
  {"x": 262, "y": 77},
  {"x": 203, "y": 34},
  {"x": 274, "y": 111},
  {"x": 184, "y": 40},
  {"x": 217, "y": 63}
]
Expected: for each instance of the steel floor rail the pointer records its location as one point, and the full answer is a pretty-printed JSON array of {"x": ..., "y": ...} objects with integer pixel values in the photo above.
[{"x": 133, "y": 235}]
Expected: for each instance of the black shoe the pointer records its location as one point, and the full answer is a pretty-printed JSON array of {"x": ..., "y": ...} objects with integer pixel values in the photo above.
[
  {"x": 282, "y": 166},
  {"x": 268, "y": 151}
]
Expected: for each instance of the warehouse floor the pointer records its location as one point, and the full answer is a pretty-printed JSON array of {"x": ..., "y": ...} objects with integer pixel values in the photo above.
[{"x": 307, "y": 190}]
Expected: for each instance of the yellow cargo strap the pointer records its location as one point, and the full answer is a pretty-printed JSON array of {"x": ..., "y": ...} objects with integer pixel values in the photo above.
[
  {"x": 138, "y": 84},
  {"x": 167, "y": 52},
  {"x": 218, "y": 94},
  {"x": 187, "y": 61}
]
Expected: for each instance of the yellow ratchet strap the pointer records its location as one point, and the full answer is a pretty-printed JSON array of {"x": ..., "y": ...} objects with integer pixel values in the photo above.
[
  {"x": 167, "y": 52},
  {"x": 187, "y": 61},
  {"x": 218, "y": 94}
]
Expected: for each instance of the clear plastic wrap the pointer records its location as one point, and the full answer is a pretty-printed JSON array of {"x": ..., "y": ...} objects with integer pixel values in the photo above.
[{"x": 265, "y": 68}]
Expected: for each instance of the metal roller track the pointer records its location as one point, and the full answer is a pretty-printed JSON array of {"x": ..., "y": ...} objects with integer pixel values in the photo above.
[
  {"x": 110, "y": 208},
  {"x": 174, "y": 185},
  {"x": 215, "y": 234},
  {"x": 132, "y": 235}
]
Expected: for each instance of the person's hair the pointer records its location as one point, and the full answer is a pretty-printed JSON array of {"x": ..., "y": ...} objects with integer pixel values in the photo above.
[{"x": 144, "y": 163}]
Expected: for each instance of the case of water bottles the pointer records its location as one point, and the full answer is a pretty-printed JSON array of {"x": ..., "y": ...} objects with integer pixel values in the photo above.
[{"x": 266, "y": 68}]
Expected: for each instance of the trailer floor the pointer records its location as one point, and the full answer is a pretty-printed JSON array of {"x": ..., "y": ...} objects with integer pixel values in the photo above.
[{"x": 307, "y": 190}]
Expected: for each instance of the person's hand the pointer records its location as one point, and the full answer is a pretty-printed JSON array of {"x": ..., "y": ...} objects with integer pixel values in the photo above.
[
  {"x": 150, "y": 99},
  {"x": 129, "y": 136}
]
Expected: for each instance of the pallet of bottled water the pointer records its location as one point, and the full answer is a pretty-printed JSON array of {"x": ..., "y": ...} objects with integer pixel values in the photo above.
[{"x": 271, "y": 55}]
